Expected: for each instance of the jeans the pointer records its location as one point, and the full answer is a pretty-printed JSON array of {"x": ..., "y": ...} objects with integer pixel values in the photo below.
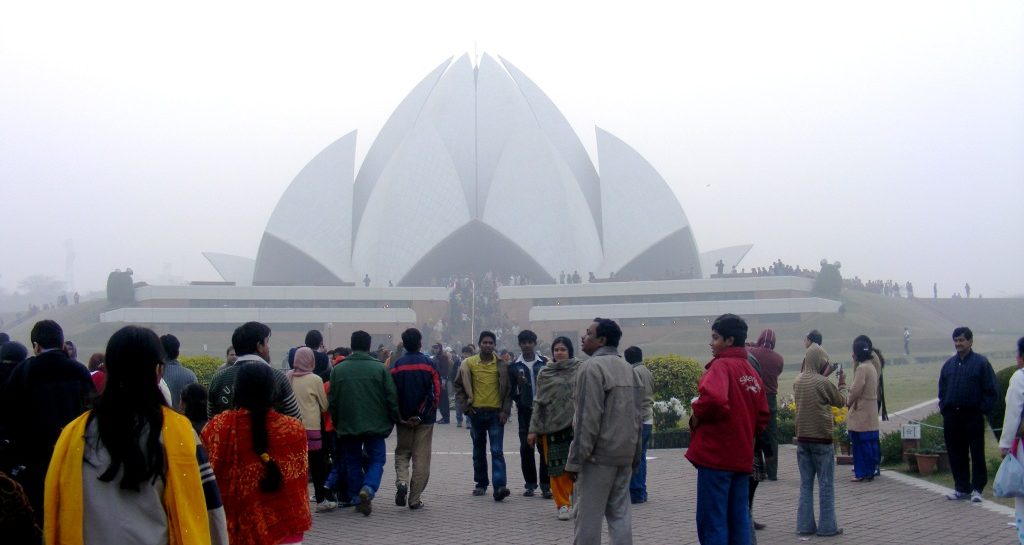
[
  {"x": 816, "y": 460},
  {"x": 527, "y": 459},
  {"x": 485, "y": 425},
  {"x": 866, "y": 453},
  {"x": 723, "y": 517},
  {"x": 358, "y": 478},
  {"x": 638, "y": 483},
  {"x": 964, "y": 432}
]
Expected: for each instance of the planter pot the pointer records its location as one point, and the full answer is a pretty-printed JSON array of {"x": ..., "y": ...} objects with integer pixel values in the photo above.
[
  {"x": 670, "y": 439},
  {"x": 844, "y": 459},
  {"x": 844, "y": 448},
  {"x": 926, "y": 463},
  {"x": 911, "y": 462}
]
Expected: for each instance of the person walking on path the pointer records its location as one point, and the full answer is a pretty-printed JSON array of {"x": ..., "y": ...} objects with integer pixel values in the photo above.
[
  {"x": 551, "y": 423},
  {"x": 862, "y": 418},
  {"x": 132, "y": 469},
  {"x": 638, "y": 482},
  {"x": 418, "y": 385},
  {"x": 364, "y": 407},
  {"x": 770, "y": 363},
  {"x": 606, "y": 437},
  {"x": 906, "y": 341},
  {"x": 443, "y": 362},
  {"x": 967, "y": 392},
  {"x": 43, "y": 394},
  {"x": 176, "y": 375},
  {"x": 1010, "y": 443},
  {"x": 259, "y": 458},
  {"x": 815, "y": 396},
  {"x": 252, "y": 344},
  {"x": 309, "y": 393},
  {"x": 483, "y": 391},
  {"x": 523, "y": 379},
  {"x": 730, "y": 410}
]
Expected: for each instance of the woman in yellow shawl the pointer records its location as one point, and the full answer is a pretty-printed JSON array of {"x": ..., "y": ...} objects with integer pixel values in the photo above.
[{"x": 132, "y": 471}]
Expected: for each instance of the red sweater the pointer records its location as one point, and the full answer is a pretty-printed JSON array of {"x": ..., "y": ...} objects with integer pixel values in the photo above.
[{"x": 730, "y": 410}]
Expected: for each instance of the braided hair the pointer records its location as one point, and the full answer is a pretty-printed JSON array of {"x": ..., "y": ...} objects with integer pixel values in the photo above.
[{"x": 254, "y": 391}]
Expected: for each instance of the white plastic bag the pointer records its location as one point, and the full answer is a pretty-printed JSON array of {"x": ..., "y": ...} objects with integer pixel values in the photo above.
[{"x": 1009, "y": 481}]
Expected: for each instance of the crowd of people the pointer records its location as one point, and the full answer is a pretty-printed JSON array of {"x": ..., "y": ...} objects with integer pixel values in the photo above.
[{"x": 135, "y": 433}]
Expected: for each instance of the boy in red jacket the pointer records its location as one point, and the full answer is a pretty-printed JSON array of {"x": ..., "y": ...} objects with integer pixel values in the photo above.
[{"x": 729, "y": 411}]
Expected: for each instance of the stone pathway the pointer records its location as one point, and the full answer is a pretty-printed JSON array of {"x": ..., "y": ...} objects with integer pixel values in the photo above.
[{"x": 893, "y": 509}]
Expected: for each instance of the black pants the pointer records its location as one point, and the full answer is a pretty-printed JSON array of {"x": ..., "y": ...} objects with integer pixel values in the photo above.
[
  {"x": 529, "y": 463},
  {"x": 964, "y": 431},
  {"x": 318, "y": 471},
  {"x": 772, "y": 465},
  {"x": 443, "y": 405}
]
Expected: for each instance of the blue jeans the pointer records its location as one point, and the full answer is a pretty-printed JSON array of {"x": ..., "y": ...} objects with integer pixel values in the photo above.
[
  {"x": 486, "y": 425},
  {"x": 723, "y": 517},
  {"x": 866, "y": 453},
  {"x": 638, "y": 484},
  {"x": 358, "y": 478},
  {"x": 816, "y": 460}
]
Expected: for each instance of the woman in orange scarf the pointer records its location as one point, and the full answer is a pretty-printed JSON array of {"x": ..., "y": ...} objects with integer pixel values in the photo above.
[{"x": 259, "y": 458}]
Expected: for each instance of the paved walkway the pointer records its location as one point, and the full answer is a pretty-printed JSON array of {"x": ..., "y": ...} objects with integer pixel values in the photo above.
[{"x": 891, "y": 510}]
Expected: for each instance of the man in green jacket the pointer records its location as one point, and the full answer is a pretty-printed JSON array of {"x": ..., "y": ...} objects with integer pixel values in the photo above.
[{"x": 364, "y": 407}]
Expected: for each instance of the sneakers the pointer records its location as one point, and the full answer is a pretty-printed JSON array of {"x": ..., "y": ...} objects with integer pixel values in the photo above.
[
  {"x": 458, "y": 425},
  {"x": 364, "y": 505},
  {"x": 417, "y": 505},
  {"x": 976, "y": 497},
  {"x": 479, "y": 491},
  {"x": 528, "y": 493},
  {"x": 326, "y": 506},
  {"x": 958, "y": 496},
  {"x": 545, "y": 493},
  {"x": 564, "y": 513},
  {"x": 501, "y": 493},
  {"x": 403, "y": 490}
]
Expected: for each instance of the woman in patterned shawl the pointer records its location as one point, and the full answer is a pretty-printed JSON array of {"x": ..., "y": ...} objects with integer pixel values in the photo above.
[
  {"x": 259, "y": 458},
  {"x": 551, "y": 422}
]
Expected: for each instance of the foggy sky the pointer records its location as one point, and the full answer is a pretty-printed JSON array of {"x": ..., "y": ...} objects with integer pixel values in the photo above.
[{"x": 888, "y": 136}]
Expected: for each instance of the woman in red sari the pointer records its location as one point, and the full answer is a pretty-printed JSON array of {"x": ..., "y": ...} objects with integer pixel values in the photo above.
[{"x": 259, "y": 459}]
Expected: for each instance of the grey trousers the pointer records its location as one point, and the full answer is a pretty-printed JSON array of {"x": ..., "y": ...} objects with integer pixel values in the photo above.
[
  {"x": 413, "y": 444},
  {"x": 603, "y": 492}
]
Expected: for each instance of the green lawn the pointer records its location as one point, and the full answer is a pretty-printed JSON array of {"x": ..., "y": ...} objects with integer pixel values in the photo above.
[{"x": 905, "y": 385}]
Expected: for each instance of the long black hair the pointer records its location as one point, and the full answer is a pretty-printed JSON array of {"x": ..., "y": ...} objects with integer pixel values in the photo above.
[
  {"x": 254, "y": 391},
  {"x": 131, "y": 402}
]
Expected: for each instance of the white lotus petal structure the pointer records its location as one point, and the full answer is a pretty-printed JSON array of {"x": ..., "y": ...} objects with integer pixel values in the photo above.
[{"x": 476, "y": 171}]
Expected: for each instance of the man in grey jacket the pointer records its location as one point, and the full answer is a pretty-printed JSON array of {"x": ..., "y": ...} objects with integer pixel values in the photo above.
[{"x": 606, "y": 437}]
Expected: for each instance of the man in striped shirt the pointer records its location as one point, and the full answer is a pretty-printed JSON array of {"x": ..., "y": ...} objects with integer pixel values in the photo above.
[{"x": 252, "y": 344}]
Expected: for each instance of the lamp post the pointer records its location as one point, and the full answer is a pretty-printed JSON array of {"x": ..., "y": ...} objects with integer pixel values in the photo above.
[{"x": 472, "y": 310}]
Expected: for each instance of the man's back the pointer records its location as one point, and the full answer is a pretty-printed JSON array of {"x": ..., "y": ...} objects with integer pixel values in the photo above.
[
  {"x": 41, "y": 396},
  {"x": 177, "y": 377},
  {"x": 363, "y": 398}
]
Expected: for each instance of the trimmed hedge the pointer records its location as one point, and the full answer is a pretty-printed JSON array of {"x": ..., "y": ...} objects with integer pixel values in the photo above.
[
  {"x": 674, "y": 376},
  {"x": 203, "y": 366}
]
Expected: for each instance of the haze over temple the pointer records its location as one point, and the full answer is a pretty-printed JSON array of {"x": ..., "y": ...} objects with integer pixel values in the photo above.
[
  {"x": 476, "y": 206},
  {"x": 476, "y": 171}
]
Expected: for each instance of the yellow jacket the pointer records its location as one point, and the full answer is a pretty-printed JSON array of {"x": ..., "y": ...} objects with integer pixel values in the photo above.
[{"x": 184, "y": 502}]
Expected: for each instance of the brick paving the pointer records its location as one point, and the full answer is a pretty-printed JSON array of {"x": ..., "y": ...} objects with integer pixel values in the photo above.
[{"x": 889, "y": 510}]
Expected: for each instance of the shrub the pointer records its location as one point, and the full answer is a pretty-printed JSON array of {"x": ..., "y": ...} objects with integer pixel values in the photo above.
[
  {"x": 995, "y": 418},
  {"x": 203, "y": 366},
  {"x": 786, "y": 421},
  {"x": 674, "y": 376},
  {"x": 892, "y": 447},
  {"x": 828, "y": 283},
  {"x": 931, "y": 432}
]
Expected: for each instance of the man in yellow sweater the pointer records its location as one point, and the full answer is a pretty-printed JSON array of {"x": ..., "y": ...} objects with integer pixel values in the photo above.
[{"x": 482, "y": 391}]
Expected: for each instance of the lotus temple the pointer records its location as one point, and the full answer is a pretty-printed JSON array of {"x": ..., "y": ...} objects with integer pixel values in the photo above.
[{"x": 475, "y": 177}]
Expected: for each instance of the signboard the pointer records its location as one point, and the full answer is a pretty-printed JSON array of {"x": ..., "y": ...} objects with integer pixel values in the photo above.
[{"x": 911, "y": 431}]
